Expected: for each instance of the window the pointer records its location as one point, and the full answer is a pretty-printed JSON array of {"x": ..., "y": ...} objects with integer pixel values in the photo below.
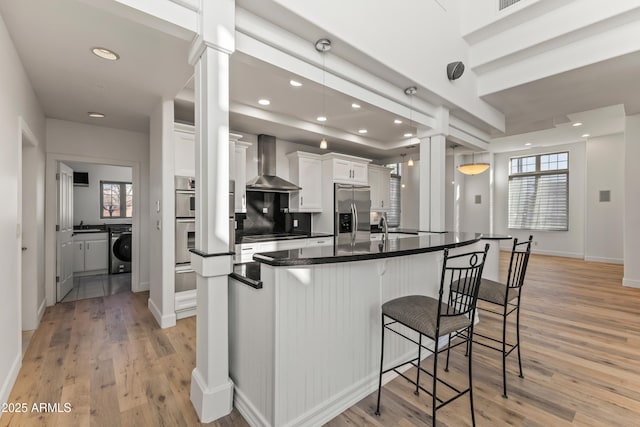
[
  {"x": 393, "y": 216},
  {"x": 539, "y": 192},
  {"x": 116, "y": 199}
]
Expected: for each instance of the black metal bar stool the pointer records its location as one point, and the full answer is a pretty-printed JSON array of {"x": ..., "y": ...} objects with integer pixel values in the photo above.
[
  {"x": 451, "y": 314},
  {"x": 507, "y": 297}
]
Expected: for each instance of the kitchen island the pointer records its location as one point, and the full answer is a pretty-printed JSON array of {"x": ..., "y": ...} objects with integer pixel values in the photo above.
[{"x": 306, "y": 345}]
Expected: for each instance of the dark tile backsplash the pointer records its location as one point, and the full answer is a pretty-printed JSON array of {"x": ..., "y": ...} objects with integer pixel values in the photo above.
[{"x": 267, "y": 213}]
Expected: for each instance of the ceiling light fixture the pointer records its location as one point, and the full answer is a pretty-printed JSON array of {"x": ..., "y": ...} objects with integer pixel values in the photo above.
[
  {"x": 473, "y": 168},
  {"x": 410, "y": 91},
  {"x": 527, "y": 144},
  {"x": 362, "y": 131},
  {"x": 410, "y": 162},
  {"x": 264, "y": 102},
  {"x": 408, "y": 135},
  {"x": 95, "y": 115},
  {"x": 586, "y": 135},
  {"x": 323, "y": 46},
  {"x": 397, "y": 121},
  {"x": 295, "y": 83},
  {"x": 576, "y": 124},
  {"x": 355, "y": 106},
  {"x": 321, "y": 119},
  {"x": 105, "y": 53},
  {"x": 402, "y": 162}
]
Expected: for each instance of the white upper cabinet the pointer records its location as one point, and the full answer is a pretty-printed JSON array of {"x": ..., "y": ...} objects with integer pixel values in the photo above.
[
  {"x": 380, "y": 183},
  {"x": 305, "y": 170},
  {"x": 346, "y": 169},
  {"x": 184, "y": 145},
  {"x": 239, "y": 164}
]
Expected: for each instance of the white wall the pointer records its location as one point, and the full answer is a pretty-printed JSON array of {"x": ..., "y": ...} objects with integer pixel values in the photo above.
[
  {"x": 560, "y": 243},
  {"x": 86, "y": 200},
  {"x": 77, "y": 142},
  {"x": 17, "y": 101},
  {"x": 632, "y": 203},
  {"x": 604, "y": 235},
  {"x": 410, "y": 196}
]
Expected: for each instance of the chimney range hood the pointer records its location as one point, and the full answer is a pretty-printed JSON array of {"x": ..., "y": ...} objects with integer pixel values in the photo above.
[{"x": 267, "y": 180}]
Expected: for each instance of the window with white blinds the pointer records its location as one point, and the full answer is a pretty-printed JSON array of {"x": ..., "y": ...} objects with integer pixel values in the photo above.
[
  {"x": 539, "y": 192},
  {"x": 393, "y": 215}
]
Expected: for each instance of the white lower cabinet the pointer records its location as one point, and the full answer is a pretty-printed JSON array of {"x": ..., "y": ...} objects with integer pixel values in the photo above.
[
  {"x": 90, "y": 252},
  {"x": 245, "y": 251}
]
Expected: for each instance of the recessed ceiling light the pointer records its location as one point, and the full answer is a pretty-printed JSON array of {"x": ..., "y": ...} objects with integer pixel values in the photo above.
[
  {"x": 295, "y": 83},
  {"x": 527, "y": 144},
  {"x": 585, "y": 135},
  {"x": 321, "y": 119},
  {"x": 407, "y": 135},
  {"x": 264, "y": 102},
  {"x": 397, "y": 121},
  {"x": 355, "y": 106},
  {"x": 95, "y": 115},
  {"x": 362, "y": 131},
  {"x": 105, "y": 53},
  {"x": 576, "y": 124}
]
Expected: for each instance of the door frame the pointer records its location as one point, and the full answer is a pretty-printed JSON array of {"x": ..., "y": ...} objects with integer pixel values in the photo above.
[{"x": 51, "y": 205}]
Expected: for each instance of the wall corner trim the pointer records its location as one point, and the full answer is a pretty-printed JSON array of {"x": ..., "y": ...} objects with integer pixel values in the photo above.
[{"x": 166, "y": 321}]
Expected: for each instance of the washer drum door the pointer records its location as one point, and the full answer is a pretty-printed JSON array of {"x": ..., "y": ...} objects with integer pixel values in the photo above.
[{"x": 122, "y": 247}]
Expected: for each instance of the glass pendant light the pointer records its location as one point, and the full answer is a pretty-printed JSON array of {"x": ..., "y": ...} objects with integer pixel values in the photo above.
[
  {"x": 410, "y": 91},
  {"x": 473, "y": 168},
  {"x": 323, "y": 46}
]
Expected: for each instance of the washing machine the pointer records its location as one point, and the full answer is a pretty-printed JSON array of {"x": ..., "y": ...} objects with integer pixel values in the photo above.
[{"x": 119, "y": 249}]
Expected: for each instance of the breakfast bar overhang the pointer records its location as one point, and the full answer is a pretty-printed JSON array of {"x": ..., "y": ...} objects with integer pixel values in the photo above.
[{"x": 306, "y": 345}]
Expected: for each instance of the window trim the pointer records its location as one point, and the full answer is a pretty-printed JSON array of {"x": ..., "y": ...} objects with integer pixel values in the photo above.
[
  {"x": 536, "y": 174},
  {"x": 123, "y": 199}
]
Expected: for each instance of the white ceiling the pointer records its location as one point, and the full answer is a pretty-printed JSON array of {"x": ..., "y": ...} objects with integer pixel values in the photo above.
[{"x": 54, "y": 38}]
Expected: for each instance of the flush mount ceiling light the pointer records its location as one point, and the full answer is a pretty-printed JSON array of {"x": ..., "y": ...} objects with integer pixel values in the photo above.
[
  {"x": 527, "y": 144},
  {"x": 264, "y": 102},
  {"x": 105, "y": 53},
  {"x": 408, "y": 135},
  {"x": 473, "y": 168},
  {"x": 295, "y": 83},
  {"x": 397, "y": 121},
  {"x": 323, "y": 46},
  {"x": 362, "y": 131},
  {"x": 95, "y": 115},
  {"x": 355, "y": 106},
  {"x": 586, "y": 135},
  {"x": 576, "y": 124}
]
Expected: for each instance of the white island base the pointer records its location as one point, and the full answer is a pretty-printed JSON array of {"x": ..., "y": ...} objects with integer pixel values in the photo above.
[{"x": 306, "y": 346}]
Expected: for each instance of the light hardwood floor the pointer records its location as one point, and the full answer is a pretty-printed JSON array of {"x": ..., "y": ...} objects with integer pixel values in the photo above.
[{"x": 581, "y": 359}]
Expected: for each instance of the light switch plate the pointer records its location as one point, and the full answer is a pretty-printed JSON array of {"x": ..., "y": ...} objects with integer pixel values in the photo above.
[
  {"x": 265, "y": 210},
  {"x": 295, "y": 223}
]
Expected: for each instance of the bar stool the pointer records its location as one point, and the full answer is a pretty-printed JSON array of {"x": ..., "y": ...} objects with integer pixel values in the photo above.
[
  {"x": 507, "y": 297},
  {"x": 451, "y": 314}
]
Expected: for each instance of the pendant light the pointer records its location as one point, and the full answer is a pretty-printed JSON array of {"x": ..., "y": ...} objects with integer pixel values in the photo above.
[
  {"x": 323, "y": 46},
  {"x": 402, "y": 162},
  {"x": 473, "y": 168},
  {"x": 410, "y": 91}
]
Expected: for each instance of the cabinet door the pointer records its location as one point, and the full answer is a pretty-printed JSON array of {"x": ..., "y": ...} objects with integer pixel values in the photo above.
[
  {"x": 184, "y": 153},
  {"x": 385, "y": 189},
  {"x": 78, "y": 256},
  {"x": 96, "y": 255},
  {"x": 374, "y": 183},
  {"x": 359, "y": 173},
  {"x": 342, "y": 171},
  {"x": 241, "y": 179},
  {"x": 310, "y": 180}
]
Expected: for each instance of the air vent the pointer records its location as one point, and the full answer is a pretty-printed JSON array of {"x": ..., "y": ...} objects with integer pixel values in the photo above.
[{"x": 506, "y": 3}]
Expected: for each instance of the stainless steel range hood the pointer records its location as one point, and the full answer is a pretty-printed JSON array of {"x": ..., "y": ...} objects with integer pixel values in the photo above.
[{"x": 267, "y": 180}]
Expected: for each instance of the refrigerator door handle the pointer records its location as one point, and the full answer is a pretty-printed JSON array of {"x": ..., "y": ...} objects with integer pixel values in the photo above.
[
  {"x": 353, "y": 221},
  {"x": 355, "y": 231}
]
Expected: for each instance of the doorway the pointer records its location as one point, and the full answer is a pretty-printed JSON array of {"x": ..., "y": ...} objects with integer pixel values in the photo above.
[{"x": 102, "y": 224}]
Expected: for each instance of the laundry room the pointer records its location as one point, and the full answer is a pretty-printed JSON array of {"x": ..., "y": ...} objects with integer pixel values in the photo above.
[{"x": 102, "y": 225}]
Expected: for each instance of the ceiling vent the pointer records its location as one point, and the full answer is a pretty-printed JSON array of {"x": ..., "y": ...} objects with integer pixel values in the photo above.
[{"x": 506, "y": 3}]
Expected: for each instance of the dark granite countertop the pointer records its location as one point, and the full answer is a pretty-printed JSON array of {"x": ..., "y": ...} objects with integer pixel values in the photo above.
[
  {"x": 279, "y": 236},
  {"x": 248, "y": 273},
  {"x": 367, "y": 250},
  {"x": 488, "y": 236}
]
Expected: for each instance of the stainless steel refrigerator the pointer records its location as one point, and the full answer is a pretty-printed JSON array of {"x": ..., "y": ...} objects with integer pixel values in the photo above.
[{"x": 352, "y": 204}]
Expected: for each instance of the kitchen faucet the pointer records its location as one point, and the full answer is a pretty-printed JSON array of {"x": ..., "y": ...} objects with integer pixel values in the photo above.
[
  {"x": 81, "y": 222},
  {"x": 384, "y": 226}
]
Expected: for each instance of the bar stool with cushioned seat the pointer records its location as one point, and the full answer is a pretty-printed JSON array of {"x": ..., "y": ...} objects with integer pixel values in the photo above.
[
  {"x": 507, "y": 296},
  {"x": 450, "y": 314}
]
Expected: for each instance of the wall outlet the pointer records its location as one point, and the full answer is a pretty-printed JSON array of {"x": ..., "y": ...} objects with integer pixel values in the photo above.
[
  {"x": 295, "y": 223},
  {"x": 265, "y": 210}
]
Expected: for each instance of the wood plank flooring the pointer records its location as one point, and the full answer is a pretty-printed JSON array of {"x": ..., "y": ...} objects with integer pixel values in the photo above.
[{"x": 580, "y": 344}]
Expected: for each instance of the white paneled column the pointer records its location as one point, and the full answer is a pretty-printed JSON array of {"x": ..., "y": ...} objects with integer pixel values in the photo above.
[
  {"x": 211, "y": 387},
  {"x": 432, "y": 183},
  {"x": 631, "y": 203}
]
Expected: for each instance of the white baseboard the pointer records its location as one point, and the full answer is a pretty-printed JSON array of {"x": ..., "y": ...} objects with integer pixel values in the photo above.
[
  {"x": 10, "y": 380},
  {"x": 183, "y": 314},
  {"x": 166, "y": 321},
  {"x": 631, "y": 283},
  {"x": 557, "y": 253},
  {"x": 249, "y": 412},
  {"x": 603, "y": 260},
  {"x": 144, "y": 286}
]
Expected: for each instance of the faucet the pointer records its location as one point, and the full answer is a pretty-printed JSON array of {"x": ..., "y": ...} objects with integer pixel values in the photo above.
[
  {"x": 81, "y": 222},
  {"x": 384, "y": 226}
]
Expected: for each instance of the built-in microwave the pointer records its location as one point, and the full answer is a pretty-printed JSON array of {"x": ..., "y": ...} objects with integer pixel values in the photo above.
[{"x": 185, "y": 239}]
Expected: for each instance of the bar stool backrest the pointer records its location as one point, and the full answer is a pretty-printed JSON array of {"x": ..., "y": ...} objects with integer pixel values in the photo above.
[
  {"x": 465, "y": 271},
  {"x": 518, "y": 263}
]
